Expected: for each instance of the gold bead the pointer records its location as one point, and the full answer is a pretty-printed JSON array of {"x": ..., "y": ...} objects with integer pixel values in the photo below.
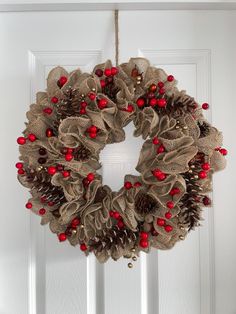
[
  {"x": 196, "y": 176},
  {"x": 82, "y": 95},
  {"x": 134, "y": 89},
  {"x": 185, "y": 127},
  {"x": 177, "y": 121},
  {"x": 82, "y": 226},
  {"x": 190, "y": 171},
  {"x": 130, "y": 265},
  {"x": 39, "y": 168},
  {"x": 134, "y": 258},
  {"x": 74, "y": 231},
  {"x": 193, "y": 166},
  {"x": 182, "y": 228},
  {"x": 181, "y": 237},
  {"x": 138, "y": 82},
  {"x": 93, "y": 89},
  {"x": 133, "y": 250},
  {"x": 177, "y": 127},
  {"x": 139, "y": 78}
]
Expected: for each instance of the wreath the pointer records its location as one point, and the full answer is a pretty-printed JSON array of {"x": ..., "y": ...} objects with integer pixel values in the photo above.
[{"x": 72, "y": 122}]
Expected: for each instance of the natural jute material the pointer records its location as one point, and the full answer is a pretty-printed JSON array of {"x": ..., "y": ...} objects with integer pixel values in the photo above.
[{"x": 72, "y": 122}]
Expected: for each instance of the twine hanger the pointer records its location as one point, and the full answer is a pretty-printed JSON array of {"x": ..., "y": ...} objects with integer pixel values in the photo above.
[{"x": 116, "y": 20}]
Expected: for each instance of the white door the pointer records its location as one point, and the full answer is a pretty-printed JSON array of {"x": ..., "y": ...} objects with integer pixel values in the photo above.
[{"x": 39, "y": 275}]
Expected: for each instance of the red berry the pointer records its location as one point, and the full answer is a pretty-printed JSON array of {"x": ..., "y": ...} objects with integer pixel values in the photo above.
[
  {"x": 92, "y": 96},
  {"x": 206, "y": 201},
  {"x": 174, "y": 191},
  {"x": 102, "y": 103},
  {"x": 202, "y": 174},
  {"x": 32, "y": 137},
  {"x": 90, "y": 177},
  {"x": 47, "y": 110},
  {"x": 19, "y": 165},
  {"x": 66, "y": 173},
  {"x": 140, "y": 102},
  {"x": 153, "y": 102},
  {"x": 161, "y": 102},
  {"x": 170, "y": 78},
  {"x": 137, "y": 184},
  {"x": 160, "y": 149},
  {"x": 205, "y": 106},
  {"x": 49, "y": 132},
  {"x": 155, "y": 141},
  {"x": 114, "y": 70},
  {"x": 168, "y": 215},
  {"x": 156, "y": 172},
  {"x": 168, "y": 228},
  {"x": 69, "y": 150},
  {"x": 153, "y": 88},
  {"x": 107, "y": 72},
  {"x": 51, "y": 203},
  {"x": 54, "y": 100},
  {"x": 130, "y": 108},
  {"x": 92, "y": 134},
  {"x": 162, "y": 91},
  {"x": 170, "y": 204},
  {"x": 111, "y": 213},
  {"x": 82, "y": 111},
  {"x": 223, "y": 151},
  {"x": 21, "y": 140},
  {"x": 160, "y": 84},
  {"x": 75, "y": 222},
  {"x": 43, "y": 199},
  {"x": 68, "y": 157},
  {"x": 120, "y": 224},
  {"x": 128, "y": 185},
  {"x": 83, "y": 247},
  {"x": 160, "y": 222},
  {"x": 99, "y": 72},
  {"x": 42, "y": 211},
  {"x": 28, "y": 205},
  {"x": 161, "y": 176},
  {"x": 52, "y": 170},
  {"x": 102, "y": 83},
  {"x": 144, "y": 235},
  {"x": 62, "y": 80},
  {"x": 116, "y": 215},
  {"x": 92, "y": 129},
  {"x": 83, "y": 104},
  {"x": 21, "y": 171},
  {"x": 62, "y": 237},
  {"x": 206, "y": 166},
  {"x": 143, "y": 243}
]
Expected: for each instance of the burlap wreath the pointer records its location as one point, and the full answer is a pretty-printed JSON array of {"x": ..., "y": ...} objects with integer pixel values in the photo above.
[{"x": 72, "y": 122}]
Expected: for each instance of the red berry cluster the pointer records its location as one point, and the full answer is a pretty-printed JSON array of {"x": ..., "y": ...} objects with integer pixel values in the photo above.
[
  {"x": 128, "y": 185},
  {"x": 118, "y": 219},
  {"x": 162, "y": 223},
  {"x": 90, "y": 177},
  {"x": 160, "y": 148},
  {"x": 154, "y": 96},
  {"x": 223, "y": 151},
  {"x": 92, "y": 131},
  {"x": 159, "y": 174},
  {"x": 106, "y": 76}
]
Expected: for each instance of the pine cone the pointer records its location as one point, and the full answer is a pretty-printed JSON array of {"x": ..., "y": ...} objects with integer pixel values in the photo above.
[
  {"x": 41, "y": 182},
  {"x": 145, "y": 204},
  {"x": 110, "y": 89},
  {"x": 68, "y": 107},
  {"x": 204, "y": 128},
  {"x": 113, "y": 239},
  {"x": 82, "y": 153},
  {"x": 180, "y": 105}
]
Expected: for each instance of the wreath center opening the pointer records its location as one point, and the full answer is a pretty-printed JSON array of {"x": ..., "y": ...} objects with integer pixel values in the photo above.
[{"x": 120, "y": 158}]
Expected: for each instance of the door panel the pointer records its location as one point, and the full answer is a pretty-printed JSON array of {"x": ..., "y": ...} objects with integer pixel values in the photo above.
[{"x": 45, "y": 276}]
